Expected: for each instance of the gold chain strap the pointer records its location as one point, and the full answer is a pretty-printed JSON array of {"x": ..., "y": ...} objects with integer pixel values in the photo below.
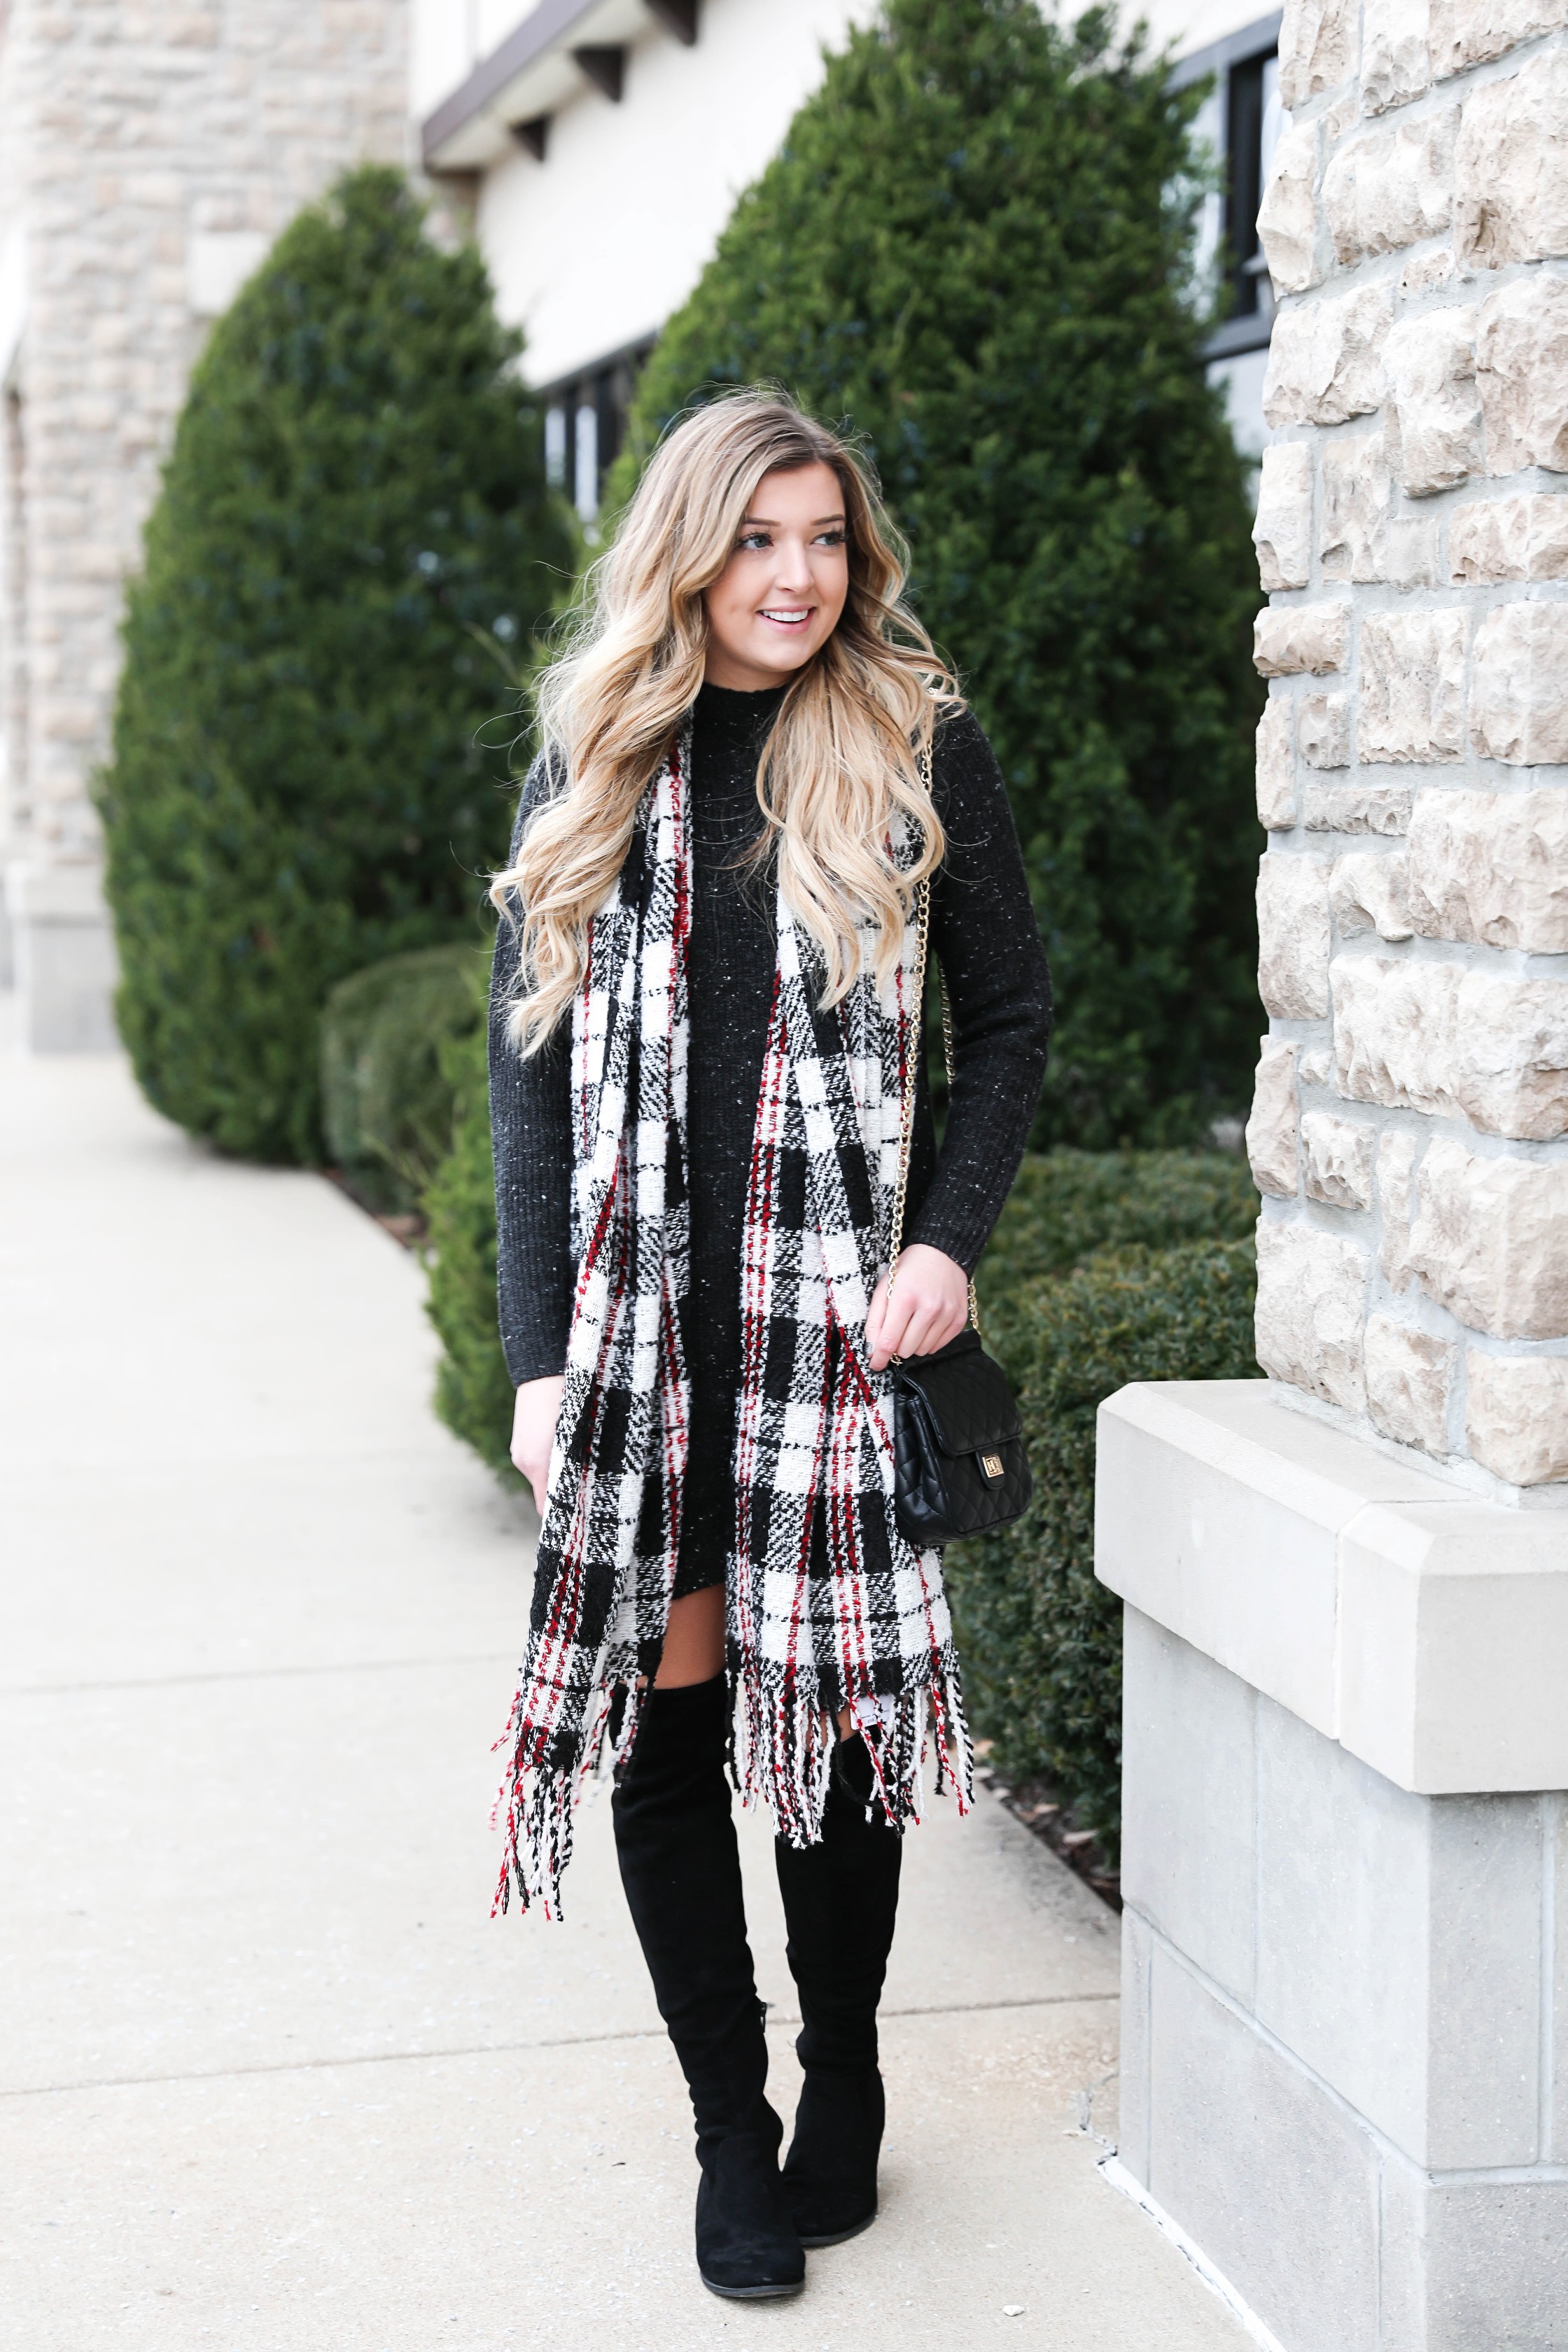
[
  {"x": 907, "y": 1116},
  {"x": 907, "y": 1109}
]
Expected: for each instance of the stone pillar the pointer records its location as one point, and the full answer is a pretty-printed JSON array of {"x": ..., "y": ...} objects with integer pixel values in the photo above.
[
  {"x": 13, "y": 666},
  {"x": 1346, "y": 1870},
  {"x": 147, "y": 157},
  {"x": 64, "y": 963}
]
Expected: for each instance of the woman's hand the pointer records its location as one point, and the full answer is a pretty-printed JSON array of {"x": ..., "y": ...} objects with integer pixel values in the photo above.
[
  {"x": 534, "y": 1420},
  {"x": 931, "y": 1305}
]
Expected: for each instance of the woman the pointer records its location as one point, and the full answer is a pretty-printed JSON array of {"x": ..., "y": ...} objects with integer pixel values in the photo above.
[{"x": 702, "y": 1029}]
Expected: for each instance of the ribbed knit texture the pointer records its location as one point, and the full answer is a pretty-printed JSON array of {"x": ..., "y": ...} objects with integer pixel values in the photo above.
[{"x": 982, "y": 931}]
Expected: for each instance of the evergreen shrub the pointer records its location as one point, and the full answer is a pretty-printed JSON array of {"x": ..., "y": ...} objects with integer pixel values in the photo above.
[
  {"x": 386, "y": 1092},
  {"x": 1041, "y": 1640},
  {"x": 473, "y": 1389},
  {"x": 975, "y": 249},
  {"x": 1068, "y": 1206},
  {"x": 353, "y": 546}
]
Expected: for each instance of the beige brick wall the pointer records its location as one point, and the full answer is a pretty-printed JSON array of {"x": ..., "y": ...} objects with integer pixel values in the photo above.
[
  {"x": 1410, "y": 1125},
  {"x": 143, "y": 144}
]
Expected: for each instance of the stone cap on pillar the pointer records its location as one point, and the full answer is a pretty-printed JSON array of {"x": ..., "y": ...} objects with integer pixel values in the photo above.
[{"x": 1425, "y": 1629}]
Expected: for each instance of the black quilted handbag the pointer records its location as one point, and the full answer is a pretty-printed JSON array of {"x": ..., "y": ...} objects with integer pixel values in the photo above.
[
  {"x": 959, "y": 1464},
  {"x": 958, "y": 1445}
]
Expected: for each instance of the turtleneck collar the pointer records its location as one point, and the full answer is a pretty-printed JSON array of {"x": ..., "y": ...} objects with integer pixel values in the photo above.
[{"x": 726, "y": 712}]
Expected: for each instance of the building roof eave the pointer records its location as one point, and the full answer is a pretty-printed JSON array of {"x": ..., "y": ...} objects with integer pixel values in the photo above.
[{"x": 529, "y": 74}]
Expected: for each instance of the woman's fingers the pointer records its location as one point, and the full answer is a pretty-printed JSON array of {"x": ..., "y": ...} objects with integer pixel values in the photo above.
[
  {"x": 537, "y": 1475},
  {"x": 887, "y": 1338},
  {"x": 534, "y": 1416},
  {"x": 929, "y": 1306},
  {"x": 906, "y": 1316},
  {"x": 906, "y": 1319},
  {"x": 920, "y": 1337},
  {"x": 879, "y": 1309},
  {"x": 536, "y": 1470}
]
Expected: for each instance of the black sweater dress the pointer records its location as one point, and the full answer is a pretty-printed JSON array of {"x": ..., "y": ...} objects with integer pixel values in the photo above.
[{"x": 982, "y": 931}]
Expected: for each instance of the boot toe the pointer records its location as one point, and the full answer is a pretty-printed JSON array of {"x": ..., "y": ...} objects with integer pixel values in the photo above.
[{"x": 747, "y": 2248}]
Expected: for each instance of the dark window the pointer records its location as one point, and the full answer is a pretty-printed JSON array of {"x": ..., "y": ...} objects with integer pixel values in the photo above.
[
  {"x": 1252, "y": 114},
  {"x": 586, "y": 425}
]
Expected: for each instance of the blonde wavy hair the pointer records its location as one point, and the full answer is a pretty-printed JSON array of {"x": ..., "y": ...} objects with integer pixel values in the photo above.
[{"x": 846, "y": 756}]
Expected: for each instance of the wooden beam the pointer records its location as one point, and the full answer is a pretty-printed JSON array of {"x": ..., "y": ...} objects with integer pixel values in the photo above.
[
  {"x": 605, "y": 68},
  {"x": 677, "y": 16},
  {"x": 533, "y": 135}
]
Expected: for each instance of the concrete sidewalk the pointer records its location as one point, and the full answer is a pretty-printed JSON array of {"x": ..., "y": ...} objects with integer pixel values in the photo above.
[{"x": 272, "y": 2080}]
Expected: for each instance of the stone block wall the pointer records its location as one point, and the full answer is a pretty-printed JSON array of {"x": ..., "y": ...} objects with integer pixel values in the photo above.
[
  {"x": 1409, "y": 1129},
  {"x": 150, "y": 151}
]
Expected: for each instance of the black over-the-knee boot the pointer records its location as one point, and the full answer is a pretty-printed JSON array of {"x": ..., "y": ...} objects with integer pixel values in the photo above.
[
  {"x": 840, "y": 1900},
  {"x": 681, "y": 1870}
]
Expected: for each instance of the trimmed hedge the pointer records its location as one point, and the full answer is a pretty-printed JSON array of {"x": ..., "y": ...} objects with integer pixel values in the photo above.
[
  {"x": 387, "y": 1094},
  {"x": 473, "y": 1389},
  {"x": 1041, "y": 1640},
  {"x": 353, "y": 547},
  {"x": 974, "y": 248},
  {"x": 1066, "y": 1206}
]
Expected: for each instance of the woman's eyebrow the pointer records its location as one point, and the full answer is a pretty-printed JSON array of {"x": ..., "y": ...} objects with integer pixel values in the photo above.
[{"x": 765, "y": 523}]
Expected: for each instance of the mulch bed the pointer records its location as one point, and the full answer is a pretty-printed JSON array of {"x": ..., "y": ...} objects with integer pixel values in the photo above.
[
  {"x": 1047, "y": 1814},
  {"x": 410, "y": 1231}
]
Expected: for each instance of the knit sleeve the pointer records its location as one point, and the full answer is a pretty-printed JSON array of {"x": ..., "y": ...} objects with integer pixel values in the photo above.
[
  {"x": 531, "y": 1127},
  {"x": 985, "y": 935}
]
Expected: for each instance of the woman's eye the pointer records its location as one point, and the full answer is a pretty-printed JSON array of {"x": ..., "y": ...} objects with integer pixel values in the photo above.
[
  {"x": 754, "y": 539},
  {"x": 831, "y": 538}
]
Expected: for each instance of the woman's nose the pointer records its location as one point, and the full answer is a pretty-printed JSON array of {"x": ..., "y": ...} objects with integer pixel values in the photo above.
[{"x": 790, "y": 569}]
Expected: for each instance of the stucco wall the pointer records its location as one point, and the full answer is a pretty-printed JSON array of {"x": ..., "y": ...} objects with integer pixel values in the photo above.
[{"x": 593, "y": 248}]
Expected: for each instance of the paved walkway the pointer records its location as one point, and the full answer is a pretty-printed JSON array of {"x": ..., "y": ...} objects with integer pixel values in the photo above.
[{"x": 272, "y": 2080}]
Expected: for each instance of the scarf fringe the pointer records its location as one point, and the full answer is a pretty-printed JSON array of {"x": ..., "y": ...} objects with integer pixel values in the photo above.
[
  {"x": 541, "y": 1804},
  {"x": 784, "y": 1744},
  {"x": 784, "y": 1740}
]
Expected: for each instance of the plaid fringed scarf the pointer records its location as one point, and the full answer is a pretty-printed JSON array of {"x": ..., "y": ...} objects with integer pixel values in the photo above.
[{"x": 827, "y": 1605}]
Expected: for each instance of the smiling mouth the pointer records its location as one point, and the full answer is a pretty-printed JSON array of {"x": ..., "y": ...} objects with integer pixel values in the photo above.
[{"x": 788, "y": 616}]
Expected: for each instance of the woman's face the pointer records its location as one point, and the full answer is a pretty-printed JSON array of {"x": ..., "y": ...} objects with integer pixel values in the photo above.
[{"x": 779, "y": 597}]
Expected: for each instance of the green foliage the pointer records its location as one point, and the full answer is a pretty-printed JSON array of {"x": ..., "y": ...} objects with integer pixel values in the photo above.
[
  {"x": 473, "y": 1389},
  {"x": 1066, "y": 1206},
  {"x": 386, "y": 1097},
  {"x": 353, "y": 542},
  {"x": 974, "y": 248},
  {"x": 1040, "y": 1639}
]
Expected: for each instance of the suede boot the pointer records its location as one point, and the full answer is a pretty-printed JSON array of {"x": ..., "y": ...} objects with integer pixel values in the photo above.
[
  {"x": 681, "y": 1870},
  {"x": 840, "y": 1901}
]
